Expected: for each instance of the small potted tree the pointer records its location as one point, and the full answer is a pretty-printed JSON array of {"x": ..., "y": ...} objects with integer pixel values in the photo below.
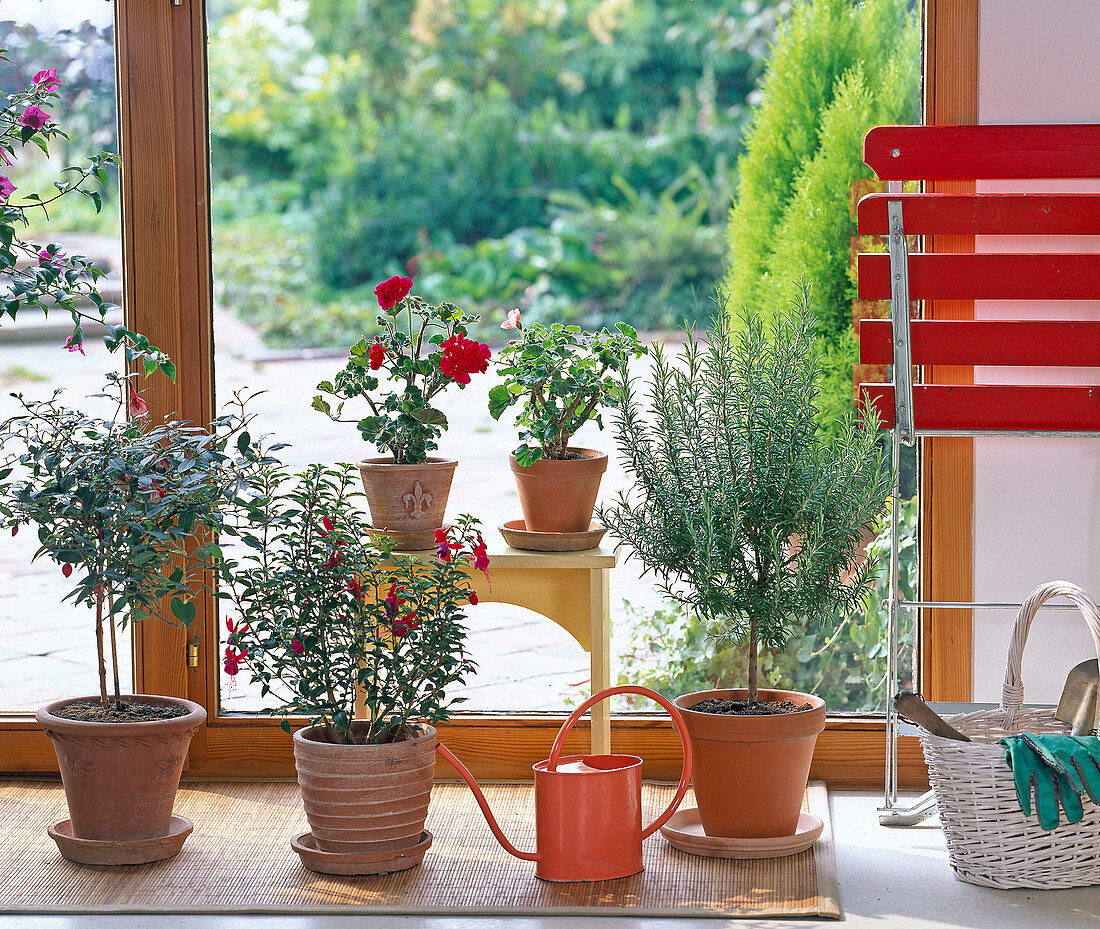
[
  {"x": 564, "y": 377},
  {"x": 127, "y": 511},
  {"x": 750, "y": 519},
  {"x": 362, "y": 643},
  {"x": 423, "y": 349}
]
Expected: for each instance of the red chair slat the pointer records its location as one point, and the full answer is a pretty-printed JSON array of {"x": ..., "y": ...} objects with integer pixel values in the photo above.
[
  {"x": 992, "y": 407},
  {"x": 986, "y": 342},
  {"x": 989, "y": 214},
  {"x": 1025, "y": 276},
  {"x": 969, "y": 152}
]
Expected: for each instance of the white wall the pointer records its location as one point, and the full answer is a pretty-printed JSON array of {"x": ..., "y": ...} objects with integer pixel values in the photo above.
[{"x": 1036, "y": 501}]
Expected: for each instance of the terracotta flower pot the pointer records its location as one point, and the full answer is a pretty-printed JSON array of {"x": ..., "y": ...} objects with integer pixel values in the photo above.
[
  {"x": 365, "y": 799},
  {"x": 121, "y": 778},
  {"x": 407, "y": 497},
  {"x": 750, "y": 772},
  {"x": 559, "y": 496}
]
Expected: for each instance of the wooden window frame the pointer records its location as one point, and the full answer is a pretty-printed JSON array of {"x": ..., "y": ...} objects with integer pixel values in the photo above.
[{"x": 161, "y": 59}]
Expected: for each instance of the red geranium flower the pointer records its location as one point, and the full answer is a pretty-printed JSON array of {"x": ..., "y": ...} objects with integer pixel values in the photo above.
[
  {"x": 463, "y": 357},
  {"x": 393, "y": 291},
  {"x": 377, "y": 355}
]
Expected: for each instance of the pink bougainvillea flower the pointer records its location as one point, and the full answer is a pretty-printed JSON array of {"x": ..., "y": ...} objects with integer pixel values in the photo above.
[
  {"x": 296, "y": 646},
  {"x": 234, "y": 659},
  {"x": 74, "y": 346},
  {"x": 391, "y": 292},
  {"x": 137, "y": 407},
  {"x": 7, "y": 188},
  {"x": 512, "y": 322},
  {"x": 34, "y": 117},
  {"x": 45, "y": 258},
  {"x": 47, "y": 80},
  {"x": 67, "y": 569},
  {"x": 463, "y": 357},
  {"x": 377, "y": 355}
]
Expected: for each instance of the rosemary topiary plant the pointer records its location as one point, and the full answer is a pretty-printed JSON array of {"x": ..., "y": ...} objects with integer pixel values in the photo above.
[{"x": 742, "y": 511}]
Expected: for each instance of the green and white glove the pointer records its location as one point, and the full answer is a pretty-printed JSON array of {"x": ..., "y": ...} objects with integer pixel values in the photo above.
[{"x": 1033, "y": 772}]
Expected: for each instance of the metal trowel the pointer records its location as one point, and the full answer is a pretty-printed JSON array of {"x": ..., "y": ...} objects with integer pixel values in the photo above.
[{"x": 1078, "y": 706}]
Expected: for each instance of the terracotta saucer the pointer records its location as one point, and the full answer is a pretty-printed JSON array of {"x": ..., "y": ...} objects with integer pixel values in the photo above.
[
  {"x": 359, "y": 863},
  {"x": 409, "y": 540},
  {"x": 115, "y": 851},
  {"x": 685, "y": 832},
  {"x": 515, "y": 534}
]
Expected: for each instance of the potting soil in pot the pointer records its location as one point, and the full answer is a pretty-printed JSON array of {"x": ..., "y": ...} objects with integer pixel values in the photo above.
[
  {"x": 92, "y": 711},
  {"x": 745, "y": 708}
]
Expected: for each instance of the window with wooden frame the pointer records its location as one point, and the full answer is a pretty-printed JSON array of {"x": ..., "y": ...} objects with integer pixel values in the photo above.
[{"x": 161, "y": 55}]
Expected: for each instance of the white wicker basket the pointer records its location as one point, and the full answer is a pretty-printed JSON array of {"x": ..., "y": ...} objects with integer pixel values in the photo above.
[{"x": 989, "y": 840}]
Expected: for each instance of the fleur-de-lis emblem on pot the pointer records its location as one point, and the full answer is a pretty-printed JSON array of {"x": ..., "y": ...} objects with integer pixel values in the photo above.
[{"x": 417, "y": 501}]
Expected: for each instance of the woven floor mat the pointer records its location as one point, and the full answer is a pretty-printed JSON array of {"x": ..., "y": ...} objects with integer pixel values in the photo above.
[{"x": 239, "y": 860}]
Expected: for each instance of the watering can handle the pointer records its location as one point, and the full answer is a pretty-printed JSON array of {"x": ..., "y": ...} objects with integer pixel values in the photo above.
[{"x": 681, "y": 726}]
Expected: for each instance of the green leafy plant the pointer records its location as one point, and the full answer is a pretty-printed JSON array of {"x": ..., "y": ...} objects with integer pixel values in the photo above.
[
  {"x": 128, "y": 510},
  {"x": 744, "y": 515},
  {"x": 324, "y": 611},
  {"x": 564, "y": 376},
  {"x": 42, "y": 276},
  {"x": 425, "y": 358}
]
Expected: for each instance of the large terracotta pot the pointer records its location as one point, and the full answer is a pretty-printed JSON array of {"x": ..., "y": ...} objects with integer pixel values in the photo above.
[
  {"x": 365, "y": 799},
  {"x": 559, "y": 496},
  {"x": 409, "y": 499},
  {"x": 750, "y": 772},
  {"x": 121, "y": 778}
]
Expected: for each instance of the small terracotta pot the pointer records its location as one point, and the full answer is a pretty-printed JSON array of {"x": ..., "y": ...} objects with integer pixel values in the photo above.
[
  {"x": 559, "y": 496},
  {"x": 121, "y": 778},
  {"x": 363, "y": 799},
  {"x": 407, "y": 497},
  {"x": 750, "y": 772}
]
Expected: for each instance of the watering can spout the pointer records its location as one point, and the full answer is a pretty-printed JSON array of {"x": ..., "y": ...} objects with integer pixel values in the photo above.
[{"x": 484, "y": 804}]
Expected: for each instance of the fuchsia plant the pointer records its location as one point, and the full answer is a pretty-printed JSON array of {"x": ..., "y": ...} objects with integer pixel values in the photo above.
[{"x": 322, "y": 611}]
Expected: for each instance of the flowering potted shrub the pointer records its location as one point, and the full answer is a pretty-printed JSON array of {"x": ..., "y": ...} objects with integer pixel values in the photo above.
[
  {"x": 126, "y": 509},
  {"x": 362, "y": 643},
  {"x": 37, "y": 276},
  {"x": 564, "y": 377},
  {"x": 407, "y": 490},
  {"x": 751, "y": 520}
]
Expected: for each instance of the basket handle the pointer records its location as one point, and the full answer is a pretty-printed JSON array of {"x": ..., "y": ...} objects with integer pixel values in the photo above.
[{"x": 1012, "y": 692}]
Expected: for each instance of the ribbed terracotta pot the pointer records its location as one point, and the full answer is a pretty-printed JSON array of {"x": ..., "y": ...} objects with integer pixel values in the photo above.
[
  {"x": 364, "y": 799},
  {"x": 559, "y": 496},
  {"x": 750, "y": 772},
  {"x": 409, "y": 498},
  {"x": 121, "y": 778}
]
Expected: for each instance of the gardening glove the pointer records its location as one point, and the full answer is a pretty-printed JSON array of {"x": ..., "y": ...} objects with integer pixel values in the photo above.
[
  {"x": 1076, "y": 758},
  {"x": 1031, "y": 771}
]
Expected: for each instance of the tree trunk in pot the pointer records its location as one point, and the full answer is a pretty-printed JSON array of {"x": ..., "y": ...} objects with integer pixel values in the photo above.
[
  {"x": 559, "y": 496},
  {"x": 750, "y": 772},
  {"x": 365, "y": 798},
  {"x": 121, "y": 778}
]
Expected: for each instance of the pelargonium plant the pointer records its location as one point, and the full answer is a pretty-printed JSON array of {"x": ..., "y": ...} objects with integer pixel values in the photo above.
[
  {"x": 127, "y": 510},
  {"x": 564, "y": 376},
  {"x": 41, "y": 276},
  {"x": 322, "y": 611},
  {"x": 422, "y": 358}
]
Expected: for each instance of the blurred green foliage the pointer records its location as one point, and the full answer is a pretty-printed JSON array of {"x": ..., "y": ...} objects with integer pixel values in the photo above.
[{"x": 836, "y": 70}]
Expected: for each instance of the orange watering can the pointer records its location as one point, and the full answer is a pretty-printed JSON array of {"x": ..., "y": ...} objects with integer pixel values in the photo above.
[{"x": 588, "y": 808}]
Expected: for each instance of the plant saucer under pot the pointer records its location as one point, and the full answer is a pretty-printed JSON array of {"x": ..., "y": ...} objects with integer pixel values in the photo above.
[
  {"x": 560, "y": 495},
  {"x": 408, "y": 501},
  {"x": 120, "y": 782}
]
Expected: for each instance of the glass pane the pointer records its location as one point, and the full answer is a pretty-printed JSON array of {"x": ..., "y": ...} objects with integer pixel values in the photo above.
[{"x": 48, "y": 648}]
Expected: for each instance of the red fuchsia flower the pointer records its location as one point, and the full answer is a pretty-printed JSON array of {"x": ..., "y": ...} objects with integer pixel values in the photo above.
[
  {"x": 353, "y": 588},
  {"x": 393, "y": 600},
  {"x": 7, "y": 188},
  {"x": 296, "y": 646},
  {"x": 15, "y": 530},
  {"x": 377, "y": 355},
  {"x": 512, "y": 322},
  {"x": 335, "y": 558},
  {"x": 326, "y": 525},
  {"x": 234, "y": 659},
  {"x": 481, "y": 557},
  {"x": 67, "y": 569},
  {"x": 47, "y": 79},
  {"x": 405, "y": 624},
  {"x": 391, "y": 292},
  {"x": 473, "y": 598},
  {"x": 463, "y": 357},
  {"x": 137, "y": 407},
  {"x": 74, "y": 346},
  {"x": 235, "y": 629},
  {"x": 34, "y": 117},
  {"x": 443, "y": 553}
]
